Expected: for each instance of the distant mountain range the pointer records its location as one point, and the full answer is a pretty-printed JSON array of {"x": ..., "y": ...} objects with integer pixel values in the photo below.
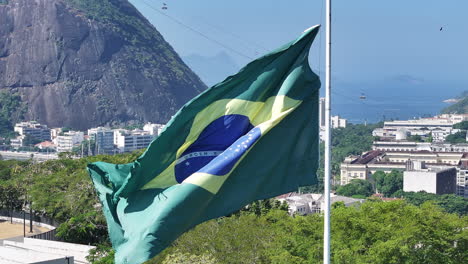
[
  {"x": 212, "y": 70},
  {"x": 85, "y": 63}
]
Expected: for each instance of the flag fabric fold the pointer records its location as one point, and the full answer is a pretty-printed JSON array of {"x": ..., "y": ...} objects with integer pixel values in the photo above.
[{"x": 252, "y": 136}]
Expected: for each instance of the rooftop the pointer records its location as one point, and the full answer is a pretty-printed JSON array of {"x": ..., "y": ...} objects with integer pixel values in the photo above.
[{"x": 42, "y": 251}]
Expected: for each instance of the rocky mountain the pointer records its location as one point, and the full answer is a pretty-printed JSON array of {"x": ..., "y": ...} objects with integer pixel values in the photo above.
[{"x": 84, "y": 63}]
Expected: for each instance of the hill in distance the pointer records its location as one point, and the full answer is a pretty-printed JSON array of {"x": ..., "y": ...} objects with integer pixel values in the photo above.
[
  {"x": 85, "y": 63},
  {"x": 214, "y": 69},
  {"x": 460, "y": 107}
]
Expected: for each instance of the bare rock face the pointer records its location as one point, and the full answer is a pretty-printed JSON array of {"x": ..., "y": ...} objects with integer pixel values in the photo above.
[{"x": 84, "y": 63}]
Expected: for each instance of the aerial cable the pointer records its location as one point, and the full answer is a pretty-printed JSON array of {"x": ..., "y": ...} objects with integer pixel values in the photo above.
[
  {"x": 250, "y": 44},
  {"x": 196, "y": 31}
]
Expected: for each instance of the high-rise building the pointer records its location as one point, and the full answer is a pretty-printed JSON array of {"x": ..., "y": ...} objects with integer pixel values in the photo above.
[
  {"x": 337, "y": 122},
  {"x": 462, "y": 177},
  {"x": 128, "y": 141},
  {"x": 322, "y": 112},
  {"x": 33, "y": 129},
  {"x": 103, "y": 138},
  {"x": 68, "y": 140},
  {"x": 432, "y": 180},
  {"x": 153, "y": 129}
]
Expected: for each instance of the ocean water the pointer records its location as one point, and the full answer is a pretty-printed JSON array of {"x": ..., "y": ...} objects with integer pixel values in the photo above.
[
  {"x": 366, "y": 110},
  {"x": 392, "y": 100}
]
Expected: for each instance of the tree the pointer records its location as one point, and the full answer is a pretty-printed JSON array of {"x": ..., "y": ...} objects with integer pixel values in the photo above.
[
  {"x": 30, "y": 140},
  {"x": 388, "y": 184},
  {"x": 459, "y": 137},
  {"x": 87, "y": 148},
  {"x": 415, "y": 138},
  {"x": 263, "y": 207},
  {"x": 102, "y": 254},
  {"x": 448, "y": 202},
  {"x": 356, "y": 187},
  {"x": 183, "y": 258},
  {"x": 429, "y": 138},
  {"x": 375, "y": 232},
  {"x": 84, "y": 229},
  {"x": 462, "y": 125}
]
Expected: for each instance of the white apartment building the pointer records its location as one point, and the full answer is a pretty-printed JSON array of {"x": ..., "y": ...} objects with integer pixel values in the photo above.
[
  {"x": 16, "y": 142},
  {"x": 311, "y": 203},
  {"x": 33, "y": 129},
  {"x": 439, "y": 127},
  {"x": 128, "y": 141},
  {"x": 401, "y": 146},
  {"x": 454, "y": 118},
  {"x": 322, "y": 112},
  {"x": 419, "y": 146},
  {"x": 54, "y": 133},
  {"x": 437, "y": 180},
  {"x": 153, "y": 129},
  {"x": 429, "y": 123},
  {"x": 439, "y": 135},
  {"x": 68, "y": 140},
  {"x": 338, "y": 122},
  {"x": 462, "y": 177},
  {"x": 104, "y": 138}
]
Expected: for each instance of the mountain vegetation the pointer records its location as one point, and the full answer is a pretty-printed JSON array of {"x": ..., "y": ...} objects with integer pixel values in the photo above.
[
  {"x": 460, "y": 107},
  {"x": 459, "y": 137},
  {"x": 86, "y": 63},
  {"x": 11, "y": 108}
]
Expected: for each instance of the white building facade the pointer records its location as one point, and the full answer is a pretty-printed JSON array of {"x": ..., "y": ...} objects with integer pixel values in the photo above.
[
  {"x": 128, "y": 141},
  {"x": 439, "y": 127},
  {"x": 33, "y": 129},
  {"x": 153, "y": 129},
  {"x": 431, "y": 180},
  {"x": 362, "y": 167},
  {"x": 311, "y": 203},
  {"x": 104, "y": 139},
  {"x": 68, "y": 140},
  {"x": 338, "y": 122}
]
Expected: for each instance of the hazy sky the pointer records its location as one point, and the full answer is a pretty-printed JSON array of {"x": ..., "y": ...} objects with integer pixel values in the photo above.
[{"x": 373, "y": 39}]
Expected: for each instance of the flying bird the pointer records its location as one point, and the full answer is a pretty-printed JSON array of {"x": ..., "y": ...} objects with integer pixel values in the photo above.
[{"x": 441, "y": 28}]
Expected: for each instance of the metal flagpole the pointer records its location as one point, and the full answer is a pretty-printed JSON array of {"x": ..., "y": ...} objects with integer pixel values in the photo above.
[{"x": 326, "y": 229}]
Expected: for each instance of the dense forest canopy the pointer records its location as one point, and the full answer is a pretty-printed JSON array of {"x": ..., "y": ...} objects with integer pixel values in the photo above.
[{"x": 415, "y": 230}]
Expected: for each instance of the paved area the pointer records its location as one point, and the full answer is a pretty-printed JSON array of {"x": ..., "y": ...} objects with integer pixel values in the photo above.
[{"x": 8, "y": 230}]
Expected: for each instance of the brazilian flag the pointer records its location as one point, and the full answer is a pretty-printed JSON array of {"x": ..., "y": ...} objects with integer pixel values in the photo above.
[{"x": 252, "y": 136}]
